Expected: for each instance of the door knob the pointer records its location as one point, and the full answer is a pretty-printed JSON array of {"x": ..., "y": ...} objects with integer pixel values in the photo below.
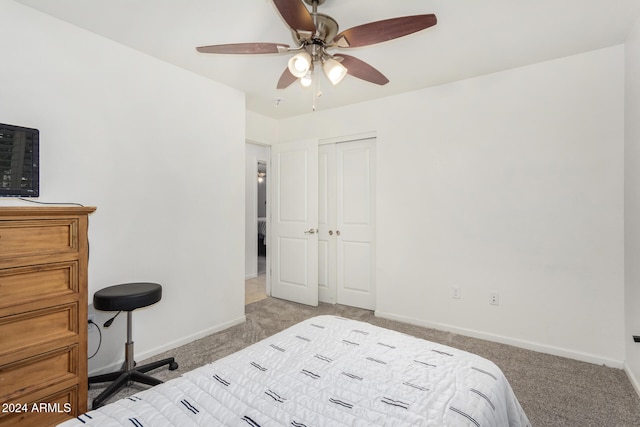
[
  {"x": 337, "y": 232},
  {"x": 310, "y": 231},
  {"x": 330, "y": 232}
]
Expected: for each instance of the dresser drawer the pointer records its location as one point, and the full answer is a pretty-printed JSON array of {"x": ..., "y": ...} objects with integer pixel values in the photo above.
[
  {"x": 38, "y": 372},
  {"x": 45, "y": 408},
  {"x": 34, "y": 332},
  {"x": 31, "y": 237},
  {"x": 37, "y": 283}
]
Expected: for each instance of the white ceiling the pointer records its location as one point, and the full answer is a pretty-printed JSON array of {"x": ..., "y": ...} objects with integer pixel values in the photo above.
[{"x": 472, "y": 37}]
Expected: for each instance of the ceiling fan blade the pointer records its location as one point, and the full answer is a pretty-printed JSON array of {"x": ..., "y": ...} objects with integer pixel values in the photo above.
[
  {"x": 296, "y": 15},
  {"x": 286, "y": 79},
  {"x": 244, "y": 48},
  {"x": 381, "y": 31},
  {"x": 362, "y": 70}
]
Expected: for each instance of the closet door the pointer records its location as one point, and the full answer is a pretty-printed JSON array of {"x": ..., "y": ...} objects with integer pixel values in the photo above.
[
  {"x": 327, "y": 291},
  {"x": 346, "y": 225},
  {"x": 355, "y": 223},
  {"x": 294, "y": 222}
]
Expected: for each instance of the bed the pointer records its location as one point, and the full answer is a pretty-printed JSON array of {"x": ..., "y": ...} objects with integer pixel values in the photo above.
[
  {"x": 262, "y": 226},
  {"x": 327, "y": 371}
]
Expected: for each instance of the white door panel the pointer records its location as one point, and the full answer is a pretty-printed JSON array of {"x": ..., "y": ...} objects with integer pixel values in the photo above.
[
  {"x": 294, "y": 222},
  {"x": 291, "y": 248},
  {"x": 355, "y": 255},
  {"x": 354, "y": 179},
  {"x": 355, "y": 223}
]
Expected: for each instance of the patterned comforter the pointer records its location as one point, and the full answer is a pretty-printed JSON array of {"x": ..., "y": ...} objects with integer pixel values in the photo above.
[{"x": 327, "y": 371}]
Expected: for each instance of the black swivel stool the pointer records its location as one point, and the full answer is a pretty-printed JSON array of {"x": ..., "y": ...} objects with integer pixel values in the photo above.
[{"x": 127, "y": 297}]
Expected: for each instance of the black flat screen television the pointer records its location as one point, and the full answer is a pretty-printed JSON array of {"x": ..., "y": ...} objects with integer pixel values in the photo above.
[{"x": 19, "y": 161}]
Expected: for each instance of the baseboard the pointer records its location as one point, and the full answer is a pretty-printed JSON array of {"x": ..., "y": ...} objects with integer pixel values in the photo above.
[
  {"x": 541, "y": 348},
  {"x": 632, "y": 378},
  {"x": 172, "y": 344}
]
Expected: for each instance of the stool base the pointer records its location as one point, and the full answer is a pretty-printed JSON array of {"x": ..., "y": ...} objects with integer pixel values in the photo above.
[{"x": 124, "y": 376}]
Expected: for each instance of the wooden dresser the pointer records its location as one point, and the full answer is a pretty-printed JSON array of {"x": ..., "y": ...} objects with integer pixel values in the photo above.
[{"x": 43, "y": 314}]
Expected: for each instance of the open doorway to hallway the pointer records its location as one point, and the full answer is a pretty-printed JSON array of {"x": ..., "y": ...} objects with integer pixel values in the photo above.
[{"x": 256, "y": 254}]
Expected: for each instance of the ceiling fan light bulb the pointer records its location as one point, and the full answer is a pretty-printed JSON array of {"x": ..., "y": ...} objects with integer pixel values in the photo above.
[
  {"x": 307, "y": 79},
  {"x": 334, "y": 71},
  {"x": 299, "y": 64}
]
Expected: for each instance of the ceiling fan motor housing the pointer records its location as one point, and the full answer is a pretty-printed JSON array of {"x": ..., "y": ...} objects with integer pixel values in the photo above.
[{"x": 326, "y": 30}]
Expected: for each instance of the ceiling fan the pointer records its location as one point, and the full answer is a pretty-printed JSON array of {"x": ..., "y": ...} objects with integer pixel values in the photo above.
[{"x": 316, "y": 33}]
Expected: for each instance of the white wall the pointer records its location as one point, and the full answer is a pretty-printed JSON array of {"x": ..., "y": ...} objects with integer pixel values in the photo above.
[
  {"x": 158, "y": 150},
  {"x": 510, "y": 182},
  {"x": 261, "y": 129},
  {"x": 253, "y": 154},
  {"x": 632, "y": 204}
]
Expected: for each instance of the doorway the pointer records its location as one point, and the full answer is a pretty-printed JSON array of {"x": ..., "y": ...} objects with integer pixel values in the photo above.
[
  {"x": 256, "y": 222},
  {"x": 262, "y": 218}
]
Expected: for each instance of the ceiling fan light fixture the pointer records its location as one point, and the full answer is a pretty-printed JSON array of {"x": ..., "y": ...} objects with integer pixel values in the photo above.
[
  {"x": 334, "y": 70},
  {"x": 299, "y": 64},
  {"x": 307, "y": 79}
]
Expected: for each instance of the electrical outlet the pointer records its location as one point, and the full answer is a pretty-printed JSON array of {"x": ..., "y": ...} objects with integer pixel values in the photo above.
[
  {"x": 494, "y": 298},
  {"x": 92, "y": 319},
  {"x": 455, "y": 293}
]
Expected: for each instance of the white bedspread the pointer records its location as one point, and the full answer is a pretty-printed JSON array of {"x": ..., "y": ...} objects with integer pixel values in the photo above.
[{"x": 327, "y": 371}]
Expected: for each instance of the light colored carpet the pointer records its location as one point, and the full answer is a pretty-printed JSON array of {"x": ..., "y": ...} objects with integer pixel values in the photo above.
[{"x": 553, "y": 391}]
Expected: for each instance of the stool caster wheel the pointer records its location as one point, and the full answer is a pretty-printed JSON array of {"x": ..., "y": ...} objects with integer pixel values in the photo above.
[{"x": 173, "y": 366}]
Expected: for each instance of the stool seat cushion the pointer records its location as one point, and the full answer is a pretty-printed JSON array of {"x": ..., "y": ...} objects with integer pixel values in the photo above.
[{"x": 127, "y": 296}]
